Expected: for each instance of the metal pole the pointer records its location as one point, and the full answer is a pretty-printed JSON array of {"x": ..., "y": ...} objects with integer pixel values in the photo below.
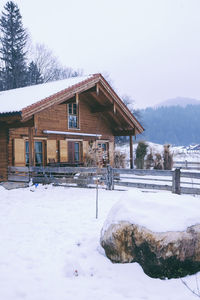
[{"x": 97, "y": 198}]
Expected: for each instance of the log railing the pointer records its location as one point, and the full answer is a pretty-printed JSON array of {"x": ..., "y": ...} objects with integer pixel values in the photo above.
[
  {"x": 188, "y": 165},
  {"x": 176, "y": 181}
]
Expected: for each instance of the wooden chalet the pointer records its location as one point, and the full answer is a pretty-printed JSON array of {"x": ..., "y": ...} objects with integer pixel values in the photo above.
[{"x": 62, "y": 123}]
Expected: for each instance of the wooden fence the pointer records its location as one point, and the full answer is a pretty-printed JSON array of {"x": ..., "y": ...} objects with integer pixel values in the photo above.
[
  {"x": 80, "y": 176},
  {"x": 188, "y": 165},
  {"x": 176, "y": 181}
]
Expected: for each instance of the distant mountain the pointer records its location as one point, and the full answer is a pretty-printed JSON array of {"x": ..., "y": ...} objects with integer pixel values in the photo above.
[
  {"x": 178, "y": 101},
  {"x": 177, "y": 125}
]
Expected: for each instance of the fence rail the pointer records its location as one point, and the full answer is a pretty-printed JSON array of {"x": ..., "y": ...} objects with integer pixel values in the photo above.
[
  {"x": 188, "y": 165},
  {"x": 177, "y": 181}
]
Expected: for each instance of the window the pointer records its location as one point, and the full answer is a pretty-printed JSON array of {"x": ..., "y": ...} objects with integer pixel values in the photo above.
[
  {"x": 38, "y": 153},
  {"x": 103, "y": 154},
  {"x": 103, "y": 146},
  {"x": 72, "y": 115},
  {"x": 76, "y": 152},
  {"x": 27, "y": 152},
  {"x": 38, "y": 148}
]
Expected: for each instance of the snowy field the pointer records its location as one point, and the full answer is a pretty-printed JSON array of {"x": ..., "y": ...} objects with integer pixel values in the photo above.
[
  {"x": 179, "y": 153},
  {"x": 50, "y": 246}
]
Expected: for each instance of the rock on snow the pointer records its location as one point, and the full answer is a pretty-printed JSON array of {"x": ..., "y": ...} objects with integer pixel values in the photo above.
[{"x": 126, "y": 236}]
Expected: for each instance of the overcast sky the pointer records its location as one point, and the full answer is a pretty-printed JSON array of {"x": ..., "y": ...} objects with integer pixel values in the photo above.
[{"x": 150, "y": 48}]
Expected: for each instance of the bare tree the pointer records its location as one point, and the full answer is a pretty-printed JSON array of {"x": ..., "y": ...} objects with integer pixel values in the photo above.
[
  {"x": 49, "y": 66},
  {"x": 130, "y": 103}
]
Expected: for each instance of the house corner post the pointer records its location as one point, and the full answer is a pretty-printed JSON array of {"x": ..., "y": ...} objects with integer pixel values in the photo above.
[
  {"x": 4, "y": 137},
  {"x": 131, "y": 151},
  {"x": 30, "y": 140}
]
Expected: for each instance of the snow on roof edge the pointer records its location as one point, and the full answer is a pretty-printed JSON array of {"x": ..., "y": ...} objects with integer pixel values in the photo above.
[{"x": 16, "y": 100}]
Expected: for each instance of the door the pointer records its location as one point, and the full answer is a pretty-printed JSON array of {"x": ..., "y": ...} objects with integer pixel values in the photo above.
[
  {"x": 103, "y": 153},
  {"x": 74, "y": 152}
]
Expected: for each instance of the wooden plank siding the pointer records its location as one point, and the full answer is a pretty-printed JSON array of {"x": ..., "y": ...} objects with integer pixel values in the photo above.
[
  {"x": 55, "y": 118},
  {"x": 3, "y": 152}
]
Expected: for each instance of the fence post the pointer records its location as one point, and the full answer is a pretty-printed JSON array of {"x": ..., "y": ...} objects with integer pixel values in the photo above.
[
  {"x": 186, "y": 164},
  {"x": 176, "y": 181},
  {"x": 109, "y": 178}
]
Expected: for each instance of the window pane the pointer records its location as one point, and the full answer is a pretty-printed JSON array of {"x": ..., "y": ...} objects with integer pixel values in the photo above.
[
  {"x": 103, "y": 147},
  {"x": 38, "y": 153},
  {"x": 74, "y": 109},
  {"x": 38, "y": 158},
  {"x": 38, "y": 146},
  {"x": 72, "y": 121},
  {"x": 27, "y": 147},
  {"x": 70, "y": 108},
  {"x": 76, "y": 151},
  {"x": 27, "y": 159},
  {"x": 27, "y": 152}
]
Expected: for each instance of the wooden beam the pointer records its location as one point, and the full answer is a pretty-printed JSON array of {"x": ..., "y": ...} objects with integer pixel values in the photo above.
[
  {"x": 10, "y": 118},
  {"x": 131, "y": 151},
  {"x": 17, "y": 124},
  {"x": 124, "y": 111},
  {"x": 114, "y": 108},
  {"x": 124, "y": 132},
  {"x": 77, "y": 99},
  {"x": 97, "y": 89},
  {"x": 99, "y": 99},
  {"x": 101, "y": 108}
]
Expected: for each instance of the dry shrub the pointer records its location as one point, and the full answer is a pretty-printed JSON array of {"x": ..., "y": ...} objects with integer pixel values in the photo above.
[
  {"x": 119, "y": 160},
  {"x": 150, "y": 160},
  {"x": 89, "y": 160},
  {"x": 158, "y": 164},
  {"x": 168, "y": 158}
]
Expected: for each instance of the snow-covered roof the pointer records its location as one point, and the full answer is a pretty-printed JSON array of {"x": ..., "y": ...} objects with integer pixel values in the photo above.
[
  {"x": 30, "y": 100},
  {"x": 17, "y": 99}
]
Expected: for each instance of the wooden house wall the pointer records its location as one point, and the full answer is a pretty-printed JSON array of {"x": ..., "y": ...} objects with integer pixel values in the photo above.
[
  {"x": 55, "y": 118},
  {"x": 3, "y": 153}
]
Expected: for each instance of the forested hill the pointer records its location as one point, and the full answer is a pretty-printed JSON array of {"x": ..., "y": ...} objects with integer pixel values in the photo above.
[{"x": 175, "y": 125}]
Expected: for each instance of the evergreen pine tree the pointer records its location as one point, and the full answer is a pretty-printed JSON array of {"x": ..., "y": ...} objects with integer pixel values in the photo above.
[
  {"x": 13, "y": 41},
  {"x": 33, "y": 75},
  {"x": 141, "y": 151}
]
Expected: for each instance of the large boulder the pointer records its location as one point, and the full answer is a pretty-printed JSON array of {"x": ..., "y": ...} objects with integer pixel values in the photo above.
[{"x": 162, "y": 254}]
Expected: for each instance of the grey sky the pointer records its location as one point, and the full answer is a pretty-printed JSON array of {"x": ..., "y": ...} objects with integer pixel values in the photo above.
[{"x": 150, "y": 48}]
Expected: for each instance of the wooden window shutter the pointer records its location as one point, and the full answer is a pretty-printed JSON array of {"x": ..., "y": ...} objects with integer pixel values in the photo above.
[
  {"x": 85, "y": 148},
  {"x": 63, "y": 151},
  {"x": 19, "y": 152},
  {"x": 70, "y": 151},
  {"x": 51, "y": 151}
]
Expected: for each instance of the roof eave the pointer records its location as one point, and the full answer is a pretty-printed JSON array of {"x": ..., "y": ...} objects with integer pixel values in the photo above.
[{"x": 59, "y": 97}]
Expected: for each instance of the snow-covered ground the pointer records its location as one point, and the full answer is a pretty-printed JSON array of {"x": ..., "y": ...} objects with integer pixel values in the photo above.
[
  {"x": 179, "y": 153},
  {"x": 49, "y": 246}
]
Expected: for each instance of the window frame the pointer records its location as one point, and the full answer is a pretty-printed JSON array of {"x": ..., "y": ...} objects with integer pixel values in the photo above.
[
  {"x": 34, "y": 153},
  {"x": 73, "y": 113},
  {"x": 40, "y": 153}
]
